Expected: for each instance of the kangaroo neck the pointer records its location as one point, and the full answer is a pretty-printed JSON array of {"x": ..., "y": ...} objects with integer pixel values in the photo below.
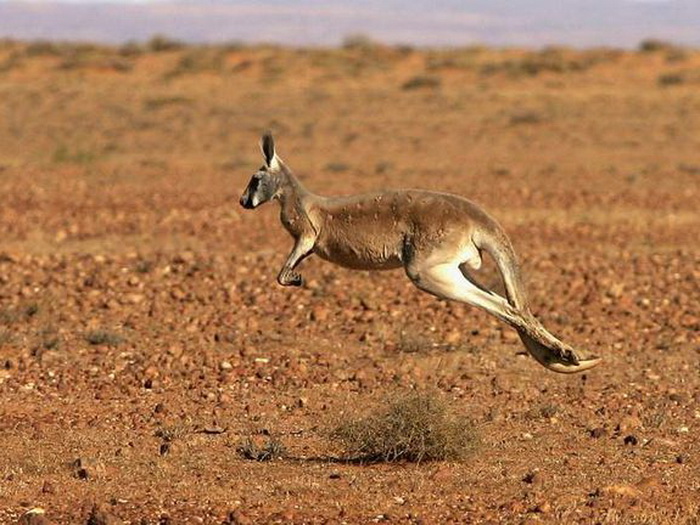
[{"x": 297, "y": 204}]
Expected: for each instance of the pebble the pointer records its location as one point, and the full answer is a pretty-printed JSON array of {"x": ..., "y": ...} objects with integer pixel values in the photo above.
[
  {"x": 631, "y": 440},
  {"x": 238, "y": 517},
  {"x": 544, "y": 508},
  {"x": 598, "y": 432},
  {"x": 35, "y": 516},
  {"x": 533, "y": 478},
  {"x": 621, "y": 490},
  {"x": 101, "y": 516},
  {"x": 628, "y": 423},
  {"x": 87, "y": 469}
]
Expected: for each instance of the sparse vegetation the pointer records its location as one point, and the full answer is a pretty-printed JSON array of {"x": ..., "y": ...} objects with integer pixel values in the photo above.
[
  {"x": 411, "y": 427},
  {"x": 526, "y": 117},
  {"x": 48, "y": 339},
  {"x": 63, "y": 155},
  {"x": 144, "y": 266},
  {"x": 549, "y": 60},
  {"x": 155, "y": 103},
  {"x": 653, "y": 45},
  {"x": 103, "y": 337},
  {"x": 412, "y": 342},
  {"x": 337, "y": 167},
  {"x": 162, "y": 43},
  {"x": 359, "y": 41},
  {"x": 271, "y": 448},
  {"x": 671, "y": 79},
  {"x": 199, "y": 59},
  {"x": 421, "y": 82}
]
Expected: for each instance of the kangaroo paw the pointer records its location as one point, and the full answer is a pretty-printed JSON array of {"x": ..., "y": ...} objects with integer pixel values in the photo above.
[{"x": 580, "y": 366}]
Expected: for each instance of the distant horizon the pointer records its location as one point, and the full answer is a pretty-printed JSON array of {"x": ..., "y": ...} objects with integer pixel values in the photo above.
[{"x": 315, "y": 23}]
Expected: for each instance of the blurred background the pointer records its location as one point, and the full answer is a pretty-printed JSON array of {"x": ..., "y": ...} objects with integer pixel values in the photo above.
[{"x": 620, "y": 23}]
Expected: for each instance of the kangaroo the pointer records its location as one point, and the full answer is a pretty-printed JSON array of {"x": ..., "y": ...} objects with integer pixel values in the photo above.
[{"x": 435, "y": 237}]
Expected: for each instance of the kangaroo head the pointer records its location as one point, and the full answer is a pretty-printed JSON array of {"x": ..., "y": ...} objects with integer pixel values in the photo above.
[{"x": 267, "y": 182}]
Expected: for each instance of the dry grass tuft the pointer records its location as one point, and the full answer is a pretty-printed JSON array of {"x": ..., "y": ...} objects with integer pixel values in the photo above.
[
  {"x": 413, "y": 427},
  {"x": 271, "y": 449},
  {"x": 103, "y": 337}
]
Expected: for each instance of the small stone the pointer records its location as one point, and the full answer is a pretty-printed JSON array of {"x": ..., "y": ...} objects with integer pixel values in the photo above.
[
  {"x": 621, "y": 490},
  {"x": 35, "y": 516},
  {"x": 598, "y": 432},
  {"x": 100, "y": 516},
  {"x": 225, "y": 366},
  {"x": 320, "y": 314},
  {"x": 628, "y": 423},
  {"x": 681, "y": 458},
  {"x": 47, "y": 488},
  {"x": 544, "y": 508},
  {"x": 631, "y": 440},
  {"x": 134, "y": 298},
  {"x": 533, "y": 478},
  {"x": 649, "y": 483},
  {"x": 164, "y": 449},
  {"x": 678, "y": 398},
  {"x": 214, "y": 429},
  {"x": 334, "y": 475},
  {"x": 237, "y": 517},
  {"x": 87, "y": 469},
  {"x": 454, "y": 337}
]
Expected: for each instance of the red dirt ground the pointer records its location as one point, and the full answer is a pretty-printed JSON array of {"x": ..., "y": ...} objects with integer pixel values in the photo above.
[{"x": 143, "y": 336}]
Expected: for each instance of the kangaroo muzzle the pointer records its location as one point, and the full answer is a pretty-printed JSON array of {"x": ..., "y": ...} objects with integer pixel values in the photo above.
[{"x": 247, "y": 201}]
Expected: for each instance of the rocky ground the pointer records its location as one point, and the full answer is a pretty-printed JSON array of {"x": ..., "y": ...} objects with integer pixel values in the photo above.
[{"x": 143, "y": 337}]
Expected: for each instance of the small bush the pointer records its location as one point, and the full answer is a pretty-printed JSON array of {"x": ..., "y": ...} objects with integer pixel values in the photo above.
[
  {"x": 411, "y": 342},
  {"x": 62, "y": 155},
  {"x": 12, "y": 61},
  {"x": 271, "y": 449},
  {"x": 161, "y": 102},
  {"x": 413, "y": 427},
  {"x": 6, "y": 336},
  {"x": 421, "y": 82},
  {"x": 198, "y": 60},
  {"x": 336, "y": 167},
  {"x": 131, "y": 49},
  {"x": 103, "y": 337},
  {"x": 670, "y": 79},
  {"x": 359, "y": 41},
  {"x": 653, "y": 45},
  {"x": 526, "y": 117},
  {"x": 43, "y": 48},
  {"x": 144, "y": 266},
  {"x": 160, "y": 43}
]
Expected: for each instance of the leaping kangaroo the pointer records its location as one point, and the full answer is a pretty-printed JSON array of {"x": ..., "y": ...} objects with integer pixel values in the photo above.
[{"x": 433, "y": 236}]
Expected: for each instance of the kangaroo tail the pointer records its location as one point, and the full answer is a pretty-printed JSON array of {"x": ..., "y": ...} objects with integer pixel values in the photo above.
[{"x": 547, "y": 350}]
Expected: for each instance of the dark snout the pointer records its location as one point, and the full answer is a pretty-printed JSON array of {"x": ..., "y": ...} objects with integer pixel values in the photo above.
[{"x": 246, "y": 201}]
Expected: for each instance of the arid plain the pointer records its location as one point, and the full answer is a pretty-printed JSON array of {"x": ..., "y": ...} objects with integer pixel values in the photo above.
[{"x": 143, "y": 336}]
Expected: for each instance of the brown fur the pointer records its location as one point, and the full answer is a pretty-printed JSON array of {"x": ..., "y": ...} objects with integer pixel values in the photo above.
[{"x": 431, "y": 235}]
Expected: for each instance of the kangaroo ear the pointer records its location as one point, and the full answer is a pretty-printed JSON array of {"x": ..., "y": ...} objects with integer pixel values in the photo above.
[{"x": 267, "y": 145}]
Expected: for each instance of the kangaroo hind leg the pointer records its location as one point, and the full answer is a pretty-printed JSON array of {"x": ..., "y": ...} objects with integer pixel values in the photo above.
[{"x": 441, "y": 276}]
